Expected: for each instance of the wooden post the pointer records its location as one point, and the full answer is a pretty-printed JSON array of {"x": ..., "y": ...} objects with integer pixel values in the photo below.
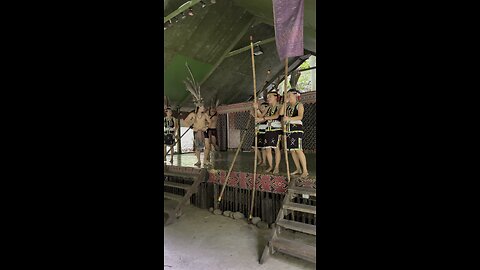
[
  {"x": 215, "y": 196},
  {"x": 179, "y": 144},
  {"x": 233, "y": 161},
  {"x": 285, "y": 114},
  {"x": 177, "y": 141},
  {"x": 255, "y": 127}
]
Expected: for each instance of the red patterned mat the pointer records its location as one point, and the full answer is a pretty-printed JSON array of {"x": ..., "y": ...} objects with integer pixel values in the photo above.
[{"x": 264, "y": 182}]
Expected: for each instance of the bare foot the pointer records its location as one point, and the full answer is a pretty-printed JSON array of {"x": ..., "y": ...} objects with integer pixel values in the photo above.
[
  {"x": 275, "y": 171},
  {"x": 305, "y": 174},
  {"x": 269, "y": 170},
  {"x": 296, "y": 172}
]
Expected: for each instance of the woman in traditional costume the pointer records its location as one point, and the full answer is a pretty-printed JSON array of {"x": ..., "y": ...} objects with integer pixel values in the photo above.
[
  {"x": 169, "y": 133},
  {"x": 294, "y": 132},
  {"x": 273, "y": 130},
  {"x": 260, "y": 128}
]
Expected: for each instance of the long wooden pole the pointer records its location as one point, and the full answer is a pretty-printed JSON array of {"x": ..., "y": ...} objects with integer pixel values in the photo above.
[
  {"x": 255, "y": 115},
  {"x": 284, "y": 115},
  {"x": 233, "y": 161},
  {"x": 179, "y": 139}
]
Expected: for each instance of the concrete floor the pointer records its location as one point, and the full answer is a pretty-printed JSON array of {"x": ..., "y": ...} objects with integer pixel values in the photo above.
[
  {"x": 243, "y": 163},
  {"x": 201, "y": 240}
]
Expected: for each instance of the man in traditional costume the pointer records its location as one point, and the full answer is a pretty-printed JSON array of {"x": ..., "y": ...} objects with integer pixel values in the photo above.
[
  {"x": 199, "y": 120},
  {"x": 212, "y": 127}
]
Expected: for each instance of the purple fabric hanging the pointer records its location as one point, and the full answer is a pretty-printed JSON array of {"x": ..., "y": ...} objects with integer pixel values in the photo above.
[{"x": 288, "y": 19}]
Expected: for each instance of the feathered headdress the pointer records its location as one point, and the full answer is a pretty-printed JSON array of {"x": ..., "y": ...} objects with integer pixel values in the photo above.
[
  {"x": 193, "y": 87},
  {"x": 214, "y": 104},
  {"x": 217, "y": 101}
]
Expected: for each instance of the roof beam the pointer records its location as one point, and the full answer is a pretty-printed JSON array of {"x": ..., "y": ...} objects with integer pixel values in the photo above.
[
  {"x": 293, "y": 65},
  {"x": 220, "y": 61},
  {"x": 307, "y": 69},
  {"x": 234, "y": 42},
  {"x": 246, "y": 48},
  {"x": 181, "y": 9}
]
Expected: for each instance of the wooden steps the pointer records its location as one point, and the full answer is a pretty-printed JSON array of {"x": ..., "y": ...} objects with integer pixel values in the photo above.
[
  {"x": 176, "y": 174},
  {"x": 297, "y": 226},
  {"x": 171, "y": 196},
  {"x": 300, "y": 207},
  {"x": 176, "y": 185},
  {"x": 302, "y": 190},
  {"x": 174, "y": 210},
  {"x": 296, "y": 238},
  {"x": 295, "y": 248}
]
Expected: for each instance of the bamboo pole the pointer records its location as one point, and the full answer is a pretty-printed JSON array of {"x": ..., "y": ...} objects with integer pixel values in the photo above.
[
  {"x": 179, "y": 139},
  {"x": 233, "y": 161},
  {"x": 255, "y": 129},
  {"x": 179, "y": 142},
  {"x": 284, "y": 115}
]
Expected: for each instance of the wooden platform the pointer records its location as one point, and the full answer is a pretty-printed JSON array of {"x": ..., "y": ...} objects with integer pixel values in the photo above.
[
  {"x": 242, "y": 172},
  {"x": 244, "y": 162}
]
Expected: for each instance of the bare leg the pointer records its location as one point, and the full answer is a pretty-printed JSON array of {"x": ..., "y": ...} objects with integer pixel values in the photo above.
[
  {"x": 303, "y": 161},
  {"x": 278, "y": 156},
  {"x": 214, "y": 143},
  {"x": 264, "y": 156},
  {"x": 259, "y": 157},
  {"x": 206, "y": 157},
  {"x": 164, "y": 152},
  {"x": 197, "y": 153},
  {"x": 297, "y": 163},
  {"x": 269, "y": 159}
]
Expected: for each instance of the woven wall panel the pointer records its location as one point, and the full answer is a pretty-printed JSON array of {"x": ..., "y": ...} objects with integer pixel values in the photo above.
[
  {"x": 310, "y": 127},
  {"x": 222, "y": 132},
  {"x": 238, "y": 120}
]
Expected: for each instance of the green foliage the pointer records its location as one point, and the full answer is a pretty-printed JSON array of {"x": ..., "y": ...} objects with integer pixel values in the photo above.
[{"x": 305, "y": 82}]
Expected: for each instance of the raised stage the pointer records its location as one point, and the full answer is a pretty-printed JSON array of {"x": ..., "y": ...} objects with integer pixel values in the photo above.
[
  {"x": 270, "y": 188},
  {"x": 242, "y": 172},
  {"x": 223, "y": 160}
]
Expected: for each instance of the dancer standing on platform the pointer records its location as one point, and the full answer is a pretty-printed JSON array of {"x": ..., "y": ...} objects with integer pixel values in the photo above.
[
  {"x": 294, "y": 136},
  {"x": 261, "y": 126},
  {"x": 169, "y": 133},
  {"x": 273, "y": 131},
  {"x": 212, "y": 127},
  {"x": 199, "y": 119}
]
